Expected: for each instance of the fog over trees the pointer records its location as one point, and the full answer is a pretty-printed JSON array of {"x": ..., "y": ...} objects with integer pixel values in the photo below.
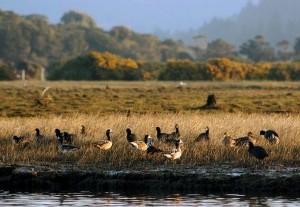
[{"x": 274, "y": 19}]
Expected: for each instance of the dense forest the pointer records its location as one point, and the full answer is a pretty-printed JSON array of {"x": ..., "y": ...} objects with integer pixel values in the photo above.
[{"x": 76, "y": 49}]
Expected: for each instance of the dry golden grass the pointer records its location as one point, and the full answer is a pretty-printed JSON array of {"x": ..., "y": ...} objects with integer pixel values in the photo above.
[{"x": 122, "y": 155}]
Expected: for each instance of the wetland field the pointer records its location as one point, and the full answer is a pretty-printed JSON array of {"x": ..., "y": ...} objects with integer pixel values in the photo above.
[
  {"x": 68, "y": 97},
  {"x": 142, "y": 106}
]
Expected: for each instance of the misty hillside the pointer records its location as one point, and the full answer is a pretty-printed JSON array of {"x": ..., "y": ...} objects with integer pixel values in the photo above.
[{"x": 276, "y": 20}]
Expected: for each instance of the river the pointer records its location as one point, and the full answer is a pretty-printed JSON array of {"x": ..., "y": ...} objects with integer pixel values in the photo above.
[{"x": 115, "y": 199}]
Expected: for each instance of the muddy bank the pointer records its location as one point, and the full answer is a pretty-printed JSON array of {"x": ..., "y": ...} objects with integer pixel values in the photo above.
[{"x": 204, "y": 179}]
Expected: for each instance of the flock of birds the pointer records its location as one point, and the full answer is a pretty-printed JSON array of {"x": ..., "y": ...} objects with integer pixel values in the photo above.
[{"x": 65, "y": 140}]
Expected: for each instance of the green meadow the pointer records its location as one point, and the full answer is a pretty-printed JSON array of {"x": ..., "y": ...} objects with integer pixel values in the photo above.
[{"x": 65, "y": 98}]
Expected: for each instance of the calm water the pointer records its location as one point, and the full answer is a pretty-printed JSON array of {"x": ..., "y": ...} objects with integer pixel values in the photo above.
[{"x": 114, "y": 199}]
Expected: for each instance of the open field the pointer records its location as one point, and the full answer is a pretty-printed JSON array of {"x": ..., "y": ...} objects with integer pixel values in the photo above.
[
  {"x": 241, "y": 107},
  {"x": 103, "y": 105},
  {"x": 66, "y": 98},
  {"x": 122, "y": 155}
]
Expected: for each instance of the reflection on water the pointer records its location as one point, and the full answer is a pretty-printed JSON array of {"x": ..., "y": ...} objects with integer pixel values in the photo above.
[{"x": 114, "y": 199}]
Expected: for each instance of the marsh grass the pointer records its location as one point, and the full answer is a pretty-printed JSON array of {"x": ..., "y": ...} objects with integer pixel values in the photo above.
[
  {"x": 122, "y": 155},
  {"x": 112, "y": 97}
]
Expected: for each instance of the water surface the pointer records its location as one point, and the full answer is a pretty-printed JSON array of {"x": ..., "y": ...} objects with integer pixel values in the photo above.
[{"x": 115, "y": 199}]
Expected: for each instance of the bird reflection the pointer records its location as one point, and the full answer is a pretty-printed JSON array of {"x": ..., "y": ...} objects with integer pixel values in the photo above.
[
  {"x": 62, "y": 198},
  {"x": 177, "y": 199}
]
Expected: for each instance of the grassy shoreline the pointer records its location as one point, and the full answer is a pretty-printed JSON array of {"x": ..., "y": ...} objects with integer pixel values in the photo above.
[{"x": 241, "y": 107}]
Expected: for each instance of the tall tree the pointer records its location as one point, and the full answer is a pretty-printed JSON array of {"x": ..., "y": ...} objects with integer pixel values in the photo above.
[
  {"x": 121, "y": 32},
  {"x": 168, "y": 49},
  {"x": 220, "y": 48},
  {"x": 283, "y": 52},
  {"x": 258, "y": 49},
  {"x": 78, "y": 19},
  {"x": 14, "y": 45}
]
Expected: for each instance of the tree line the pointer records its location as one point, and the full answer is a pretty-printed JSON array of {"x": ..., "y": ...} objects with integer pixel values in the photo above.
[{"x": 76, "y": 49}]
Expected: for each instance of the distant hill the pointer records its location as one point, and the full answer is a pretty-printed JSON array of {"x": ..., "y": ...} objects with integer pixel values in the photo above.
[{"x": 276, "y": 20}]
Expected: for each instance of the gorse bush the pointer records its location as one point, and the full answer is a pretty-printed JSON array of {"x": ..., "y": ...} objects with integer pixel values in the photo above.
[
  {"x": 225, "y": 69},
  {"x": 107, "y": 66},
  {"x": 97, "y": 66}
]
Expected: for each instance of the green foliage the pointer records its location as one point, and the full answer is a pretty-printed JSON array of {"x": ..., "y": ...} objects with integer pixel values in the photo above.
[
  {"x": 184, "y": 70},
  {"x": 258, "y": 49},
  {"x": 78, "y": 19},
  {"x": 294, "y": 70},
  {"x": 279, "y": 72},
  {"x": 12, "y": 29},
  {"x": 101, "y": 41},
  {"x": 284, "y": 53},
  {"x": 56, "y": 47},
  {"x": 220, "y": 49},
  {"x": 151, "y": 70},
  {"x": 76, "y": 69},
  {"x": 33, "y": 38},
  {"x": 184, "y": 56},
  {"x": 121, "y": 33},
  {"x": 168, "y": 49},
  {"x": 5, "y": 72},
  {"x": 136, "y": 46},
  {"x": 284, "y": 71},
  {"x": 257, "y": 71}
]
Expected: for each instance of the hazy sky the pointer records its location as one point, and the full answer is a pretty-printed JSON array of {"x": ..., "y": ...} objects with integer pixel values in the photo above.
[{"x": 138, "y": 15}]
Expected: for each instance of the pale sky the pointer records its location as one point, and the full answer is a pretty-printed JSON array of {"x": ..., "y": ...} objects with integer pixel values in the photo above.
[{"x": 138, "y": 15}]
